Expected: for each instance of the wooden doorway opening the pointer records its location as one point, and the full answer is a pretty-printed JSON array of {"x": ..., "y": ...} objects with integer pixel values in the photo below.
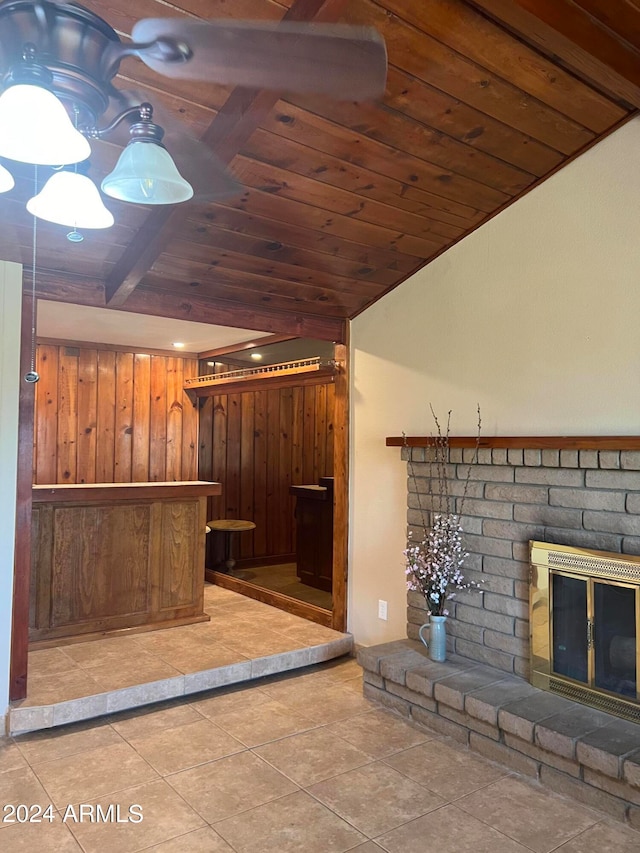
[{"x": 259, "y": 439}]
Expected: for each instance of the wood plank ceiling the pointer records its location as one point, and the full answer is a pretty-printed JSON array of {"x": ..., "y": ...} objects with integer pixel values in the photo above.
[{"x": 342, "y": 201}]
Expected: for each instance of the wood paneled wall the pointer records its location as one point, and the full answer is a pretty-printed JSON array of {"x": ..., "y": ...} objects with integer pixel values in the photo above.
[
  {"x": 257, "y": 444},
  {"x": 109, "y": 416}
]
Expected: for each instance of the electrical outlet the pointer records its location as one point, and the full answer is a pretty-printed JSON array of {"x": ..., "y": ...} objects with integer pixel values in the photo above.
[{"x": 382, "y": 610}]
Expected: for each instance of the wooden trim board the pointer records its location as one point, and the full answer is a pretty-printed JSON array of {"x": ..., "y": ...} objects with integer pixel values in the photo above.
[{"x": 518, "y": 442}]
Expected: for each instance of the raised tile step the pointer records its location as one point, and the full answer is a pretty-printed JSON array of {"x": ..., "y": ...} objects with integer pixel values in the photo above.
[
  {"x": 25, "y": 718},
  {"x": 587, "y": 754}
]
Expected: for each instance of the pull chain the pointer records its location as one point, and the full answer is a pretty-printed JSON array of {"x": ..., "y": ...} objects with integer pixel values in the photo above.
[{"x": 32, "y": 375}]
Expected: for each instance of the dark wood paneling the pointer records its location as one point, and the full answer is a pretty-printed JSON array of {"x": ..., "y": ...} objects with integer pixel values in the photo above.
[
  {"x": 123, "y": 447},
  {"x": 98, "y": 577},
  {"x": 107, "y": 416},
  {"x": 259, "y": 443},
  {"x": 87, "y": 416},
  {"x": 119, "y": 563}
]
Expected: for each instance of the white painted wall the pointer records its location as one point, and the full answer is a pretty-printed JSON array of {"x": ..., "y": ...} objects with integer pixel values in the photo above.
[
  {"x": 10, "y": 310},
  {"x": 536, "y": 316}
]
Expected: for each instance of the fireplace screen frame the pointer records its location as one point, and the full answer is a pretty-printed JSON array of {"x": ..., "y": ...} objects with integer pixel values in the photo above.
[{"x": 547, "y": 560}]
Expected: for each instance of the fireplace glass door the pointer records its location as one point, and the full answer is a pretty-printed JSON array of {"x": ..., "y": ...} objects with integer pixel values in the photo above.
[
  {"x": 614, "y": 638},
  {"x": 594, "y": 632}
]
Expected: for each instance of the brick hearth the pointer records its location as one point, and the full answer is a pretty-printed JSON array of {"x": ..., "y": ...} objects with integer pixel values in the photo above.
[{"x": 574, "y": 750}]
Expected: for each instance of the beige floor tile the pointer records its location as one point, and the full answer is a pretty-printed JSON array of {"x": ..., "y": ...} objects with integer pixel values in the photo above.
[
  {"x": 263, "y": 723},
  {"x": 50, "y": 744},
  {"x": 224, "y": 702},
  {"x": 227, "y": 700},
  {"x": 181, "y": 747},
  {"x": 131, "y": 671},
  {"x": 528, "y": 814},
  {"x": 356, "y": 684},
  {"x": 262, "y": 644},
  {"x": 201, "y": 841},
  {"x": 447, "y": 830},
  {"x": 367, "y": 847},
  {"x": 605, "y": 837},
  {"x": 313, "y": 635},
  {"x": 380, "y": 733},
  {"x": 196, "y": 657},
  {"x": 230, "y": 785},
  {"x": 99, "y": 652},
  {"x": 289, "y": 825},
  {"x": 11, "y": 758},
  {"x": 173, "y": 639},
  {"x": 164, "y": 816},
  {"x": 48, "y": 661},
  {"x": 292, "y": 688},
  {"x": 46, "y": 837},
  {"x": 324, "y": 704},
  {"x": 341, "y": 669},
  {"x": 446, "y": 770},
  {"x": 312, "y": 756},
  {"x": 59, "y": 687},
  {"x": 149, "y": 719},
  {"x": 375, "y": 798},
  {"x": 230, "y": 626},
  {"x": 21, "y": 786},
  {"x": 93, "y": 773}
]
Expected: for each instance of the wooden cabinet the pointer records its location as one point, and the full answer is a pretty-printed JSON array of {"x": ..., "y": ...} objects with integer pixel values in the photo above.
[
  {"x": 314, "y": 533},
  {"x": 113, "y": 556}
]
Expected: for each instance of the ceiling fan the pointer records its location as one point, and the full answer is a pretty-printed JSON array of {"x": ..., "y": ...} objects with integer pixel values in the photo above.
[{"x": 68, "y": 56}]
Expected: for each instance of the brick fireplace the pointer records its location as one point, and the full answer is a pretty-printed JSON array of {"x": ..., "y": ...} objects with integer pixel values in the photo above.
[{"x": 582, "y": 498}]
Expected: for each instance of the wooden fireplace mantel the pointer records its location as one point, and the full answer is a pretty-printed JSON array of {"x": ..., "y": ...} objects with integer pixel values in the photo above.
[{"x": 525, "y": 442}]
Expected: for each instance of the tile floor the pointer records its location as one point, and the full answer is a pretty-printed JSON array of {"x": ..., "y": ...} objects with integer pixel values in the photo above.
[
  {"x": 243, "y": 640},
  {"x": 297, "y": 763}
]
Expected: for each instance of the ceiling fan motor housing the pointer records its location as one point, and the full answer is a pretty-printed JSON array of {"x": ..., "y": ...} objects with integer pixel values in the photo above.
[{"x": 81, "y": 51}]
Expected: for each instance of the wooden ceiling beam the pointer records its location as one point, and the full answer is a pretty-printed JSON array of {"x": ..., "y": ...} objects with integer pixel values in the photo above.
[
  {"x": 232, "y": 126},
  {"x": 59, "y": 287},
  {"x": 256, "y": 342},
  {"x": 224, "y": 312},
  {"x": 567, "y": 32},
  {"x": 65, "y": 287}
]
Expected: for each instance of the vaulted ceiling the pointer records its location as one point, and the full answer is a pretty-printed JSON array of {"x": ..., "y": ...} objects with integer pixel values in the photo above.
[{"x": 341, "y": 201}]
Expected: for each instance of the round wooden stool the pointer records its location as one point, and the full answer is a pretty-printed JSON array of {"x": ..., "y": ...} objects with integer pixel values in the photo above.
[{"x": 229, "y": 526}]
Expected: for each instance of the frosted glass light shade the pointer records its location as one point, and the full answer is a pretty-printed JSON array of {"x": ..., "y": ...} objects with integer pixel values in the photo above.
[
  {"x": 6, "y": 180},
  {"x": 146, "y": 174},
  {"x": 35, "y": 128},
  {"x": 71, "y": 199}
]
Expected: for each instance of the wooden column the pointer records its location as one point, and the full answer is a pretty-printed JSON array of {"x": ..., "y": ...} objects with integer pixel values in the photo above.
[
  {"x": 341, "y": 488},
  {"x": 22, "y": 563}
]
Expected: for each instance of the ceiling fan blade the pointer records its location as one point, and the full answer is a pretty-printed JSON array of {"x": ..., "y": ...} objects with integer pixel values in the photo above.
[
  {"x": 199, "y": 166},
  {"x": 196, "y": 162},
  {"x": 333, "y": 59}
]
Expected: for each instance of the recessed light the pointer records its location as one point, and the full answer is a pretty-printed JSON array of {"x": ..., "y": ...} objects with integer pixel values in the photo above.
[
  {"x": 256, "y": 355},
  {"x": 211, "y": 364},
  {"x": 178, "y": 344}
]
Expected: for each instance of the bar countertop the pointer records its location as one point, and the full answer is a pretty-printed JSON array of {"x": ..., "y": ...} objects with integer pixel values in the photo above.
[{"x": 67, "y": 492}]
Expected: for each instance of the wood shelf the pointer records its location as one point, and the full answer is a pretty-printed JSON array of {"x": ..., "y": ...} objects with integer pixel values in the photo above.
[
  {"x": 523, "y": 442},
  {"x": 309, "y": 371}
]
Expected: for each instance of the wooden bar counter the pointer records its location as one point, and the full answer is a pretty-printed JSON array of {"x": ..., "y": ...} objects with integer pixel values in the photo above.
[{"x": 112, "y": 556}]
